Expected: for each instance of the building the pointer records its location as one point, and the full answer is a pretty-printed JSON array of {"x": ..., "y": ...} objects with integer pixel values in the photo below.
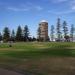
[{"x": 43, "y": 35}]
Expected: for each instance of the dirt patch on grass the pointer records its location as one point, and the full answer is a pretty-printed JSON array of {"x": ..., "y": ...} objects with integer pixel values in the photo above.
[
  {"x": 47, "y": 66},
  {"x": 7, "y": 72}
]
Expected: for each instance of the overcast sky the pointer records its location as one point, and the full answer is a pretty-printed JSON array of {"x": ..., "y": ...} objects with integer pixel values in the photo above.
[{"x": 31, "y": 12}]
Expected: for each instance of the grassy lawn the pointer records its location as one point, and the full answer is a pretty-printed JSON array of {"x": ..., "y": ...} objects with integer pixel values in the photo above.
[{"x": 39, "y": 58}]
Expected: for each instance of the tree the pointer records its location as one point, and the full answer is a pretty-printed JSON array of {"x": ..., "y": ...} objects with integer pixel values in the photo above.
[
  {"x": 39, "y": 33},
  {"x": 33, "y": 39},
  {"x": 19, "y": 34},
  {"x": 6, "y": 34},
  {"x": 67, "y": 38},
  {"x": 72, "y": 32},
  {"x": 58, "y": 30},
  {"x": 0, "y": 37},
  {"x": 26, "y": 33},
  {"x": 13, "y": 35},
  {"x": 65, "y": 30},
  {"x": 52, "y": 33}
]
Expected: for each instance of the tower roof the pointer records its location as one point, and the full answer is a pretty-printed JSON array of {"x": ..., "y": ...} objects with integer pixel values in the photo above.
[{"x": 44, "y": 21}]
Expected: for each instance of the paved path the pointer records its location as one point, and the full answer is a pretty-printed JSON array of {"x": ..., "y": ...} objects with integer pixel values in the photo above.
[{"x": 7, "y": 72}]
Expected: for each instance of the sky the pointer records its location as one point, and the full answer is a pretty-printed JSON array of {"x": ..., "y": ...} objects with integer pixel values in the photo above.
[{"x": 30, "y": 12}]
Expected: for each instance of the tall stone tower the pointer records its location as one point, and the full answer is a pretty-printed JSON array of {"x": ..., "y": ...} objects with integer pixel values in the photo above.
[{"x": 43, "y": 26}]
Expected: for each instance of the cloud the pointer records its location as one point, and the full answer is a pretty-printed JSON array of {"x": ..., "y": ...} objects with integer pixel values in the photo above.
[
  {"x": 72, "y": 5},
  {"x": 30, "y": 6},
  {"x": 58, "y": 1},
  {"x": 39, "y": 8},
  {"x": 61, "y": 13},
  {"x": 35, "y": 8},
  {"x": 73, "y": 8},
  {"x": 17, "y": 9},
  {"x": 25, "y": 7},
  {"x": 62, "y": 0}
]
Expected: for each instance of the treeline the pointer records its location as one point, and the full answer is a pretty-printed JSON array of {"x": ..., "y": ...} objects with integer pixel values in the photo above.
[
  {"x": 18, "y": 36},
  {"x": 62, "y": 31},
  {"x": 59, "y": 32}
]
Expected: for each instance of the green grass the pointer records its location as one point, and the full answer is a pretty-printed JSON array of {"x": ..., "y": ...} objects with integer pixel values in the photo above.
[
  {"x": 28, "y": 57},
  {"x": 23, "y": 50}
]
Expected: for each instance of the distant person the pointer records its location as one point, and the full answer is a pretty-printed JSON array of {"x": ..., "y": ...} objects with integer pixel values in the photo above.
[{"x": 10, "y": 43}]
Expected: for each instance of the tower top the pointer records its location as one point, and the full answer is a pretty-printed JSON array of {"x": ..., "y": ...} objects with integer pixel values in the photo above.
[{"x": 43, "y": 21}]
